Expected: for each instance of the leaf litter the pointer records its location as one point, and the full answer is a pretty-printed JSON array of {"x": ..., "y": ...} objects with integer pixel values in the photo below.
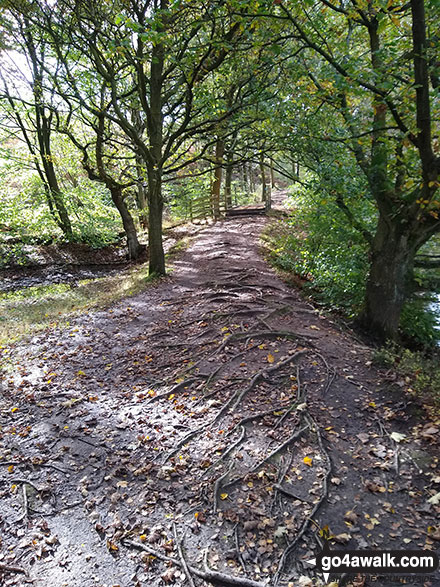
[{"x": 206, "y": 431}]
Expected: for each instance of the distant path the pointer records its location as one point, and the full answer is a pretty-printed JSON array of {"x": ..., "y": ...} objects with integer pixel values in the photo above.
[{"x": 217, "y": 400}]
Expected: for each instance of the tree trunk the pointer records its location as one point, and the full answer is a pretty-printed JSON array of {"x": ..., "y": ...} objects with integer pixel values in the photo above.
[
  {"x": 245, "y": 181},
  {"x": 272, "y": 176},
  {"x": 57, "y": 199},
  {"x": 389, "y": 279},
  {"x": 155, "y": 212},
  {"x": 251, "y": 179},
  {"x": 135, "y": 249},
  {"x": 141, "y": 194},
  {"x": 228, "y": 181},
  {"x": 154, "y": 165},
  {"x": 216, "y": 184},
  {"x": 263, "y": 180}
]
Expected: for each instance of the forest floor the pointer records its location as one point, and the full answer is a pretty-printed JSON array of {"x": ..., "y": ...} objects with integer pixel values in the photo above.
[{"x": 216, "y": 418}]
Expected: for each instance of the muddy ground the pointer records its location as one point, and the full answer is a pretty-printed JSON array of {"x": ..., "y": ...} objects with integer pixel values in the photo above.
[{"x": 217, "y": 418}]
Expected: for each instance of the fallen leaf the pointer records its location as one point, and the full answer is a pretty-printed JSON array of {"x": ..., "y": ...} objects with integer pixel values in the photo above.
[
  {"x": 351, "y": 516},
  {"x": 434, "y": 500},
  {"x": 397, "y": 436},
  {"x": 270, "y": 358},
  {"x": 308, "y": 461},
  {"x": 342, "y": 538},
  {"x": 363, "y": 437},
  {"x": 374, "y": 487},
  {"x": 168, "y": 575}
]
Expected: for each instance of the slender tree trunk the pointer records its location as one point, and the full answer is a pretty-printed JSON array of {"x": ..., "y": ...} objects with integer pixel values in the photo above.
[
  {"x": 135, "y": 249},
  {"x": 141, "y": 194},
  {"x": 244, "y": 178},
  {"x": 216, "y": 184},
  {"x": 154, "y": 167},
  {"x": 272, "y": 176},
  {"x": 228, "y": 182},
  {"x": 263, "y": 180},
  {"x": 389, "y": 279},
  {"x": 251, "y": 179},
  {"x": 155, "y": 237},
  {"x": 57, "y": 199}
]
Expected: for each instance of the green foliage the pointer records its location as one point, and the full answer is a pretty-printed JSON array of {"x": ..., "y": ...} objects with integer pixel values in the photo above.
[
  {"x": 95, "y": 220},
  {"x": 189, "y": 197},
  {"x": 320, "y": 245},
  {"x": 421, "y": 370},
  {"x": 418, "y": 323},
  {"x": 25, "y": 216}
]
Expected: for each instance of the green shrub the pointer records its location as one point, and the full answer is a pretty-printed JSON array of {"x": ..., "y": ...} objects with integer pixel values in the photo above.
[
  {"x": 318, "y": 243},
  {"x": 418, "y": 324}
]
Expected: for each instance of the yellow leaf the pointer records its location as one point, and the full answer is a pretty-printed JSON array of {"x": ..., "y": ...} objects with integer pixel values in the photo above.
[
  {"x": 179, "y": 380},
  {"x": 270, "y": 358},
  {"x": 372, "y": 404},
  {"x": 11, "y": 469},
  {"x": 308, "y": 461},
  {"x": 223, "y": 495},
  {"x": 261, "y": 346},
  {"x": 172, "y": 396},
  {"x": 14, "y": 410},
  {"x": 81, "y": 373},
  {"x": 143, "y": 537}
]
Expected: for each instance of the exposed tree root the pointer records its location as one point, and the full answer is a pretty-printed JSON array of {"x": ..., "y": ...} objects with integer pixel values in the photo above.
[
  {"x": 324, "y": 493},
  {"x": 174, "y": 389},
  {"x": 281, "y": 447},
  {"x": 206, "y": 575},
  {"x": 183, "y": 562},
  {"x": 5, "y": 568},
  {"x": 218, "y": 485}
]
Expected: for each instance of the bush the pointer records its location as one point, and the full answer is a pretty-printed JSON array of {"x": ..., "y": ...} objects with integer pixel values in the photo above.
[
  {"x": 418, "y": 324},
  {"x": 319, "y": 244}
]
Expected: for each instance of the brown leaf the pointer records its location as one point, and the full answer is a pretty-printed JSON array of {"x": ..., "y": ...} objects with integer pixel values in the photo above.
[
  {"x": 351, "y": 516},
  {"x": 168, "y": 576},
  {"x": 342, "y": 538},
  {"x": 374, "y": 487}
]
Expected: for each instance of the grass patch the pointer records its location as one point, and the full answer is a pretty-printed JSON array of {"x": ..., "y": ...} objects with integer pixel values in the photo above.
[{"x": 29, "y": 310}]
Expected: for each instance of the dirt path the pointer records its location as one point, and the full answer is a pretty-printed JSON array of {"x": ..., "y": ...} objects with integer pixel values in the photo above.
[{"x": 216, "y": 410}]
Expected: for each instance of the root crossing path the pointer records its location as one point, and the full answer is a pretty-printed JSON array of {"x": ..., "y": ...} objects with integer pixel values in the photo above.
[{"x": 214, "y": 430}]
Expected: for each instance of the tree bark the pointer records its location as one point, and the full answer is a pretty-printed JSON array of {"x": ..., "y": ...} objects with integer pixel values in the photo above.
[
  {"x": 141, "y": 194},
  {"x": 228, "y": 185},
  {"x": 155, "y": 210},
  {"x": 272, "y": 176},
  {"x": 263, "y": 180},
  {"x": 135, "y": 249},
  {"x": 154, "y": 167},
  {"x": 389, "y": 279},
  {"x": 216, "y": 184}
]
